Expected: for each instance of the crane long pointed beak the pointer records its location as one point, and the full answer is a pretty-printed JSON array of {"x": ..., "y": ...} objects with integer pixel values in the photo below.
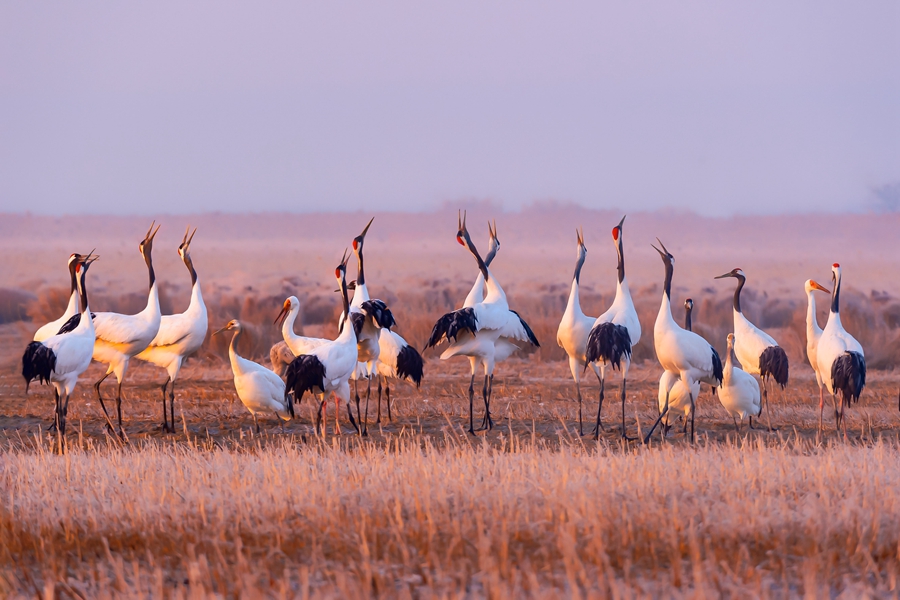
[
  {"x": 184, "y": 240},
  {"x": 149, "y": 231},
  {"x": 821, "y": 288},
  {"x": 364, "y": 231},
  {"x": 218, "y": 331},
  {"x": 724, "y": 275},
  {"x": 281, "y": 316},
  {"x": 661, "y": 253},
  {"x": 622, "y": 221}
]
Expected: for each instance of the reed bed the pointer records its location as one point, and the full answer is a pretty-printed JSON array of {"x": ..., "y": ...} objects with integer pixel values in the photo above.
[{"x": 417, "y": 517}]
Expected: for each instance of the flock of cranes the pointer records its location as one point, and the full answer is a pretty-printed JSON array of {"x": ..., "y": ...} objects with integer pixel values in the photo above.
[{"x": 485, "y": 330}]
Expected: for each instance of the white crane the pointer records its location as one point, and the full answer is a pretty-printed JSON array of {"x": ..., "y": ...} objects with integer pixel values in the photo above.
[
  {"x": 840, "y": 357},
  {"x": 120, "y": 337},
  {"x": 813, "y": 333},
  {"x": 61, "y": 358},
  {"x": 260, "y": 389},
  {"x": 574, "y": 329},
  {"x": 475, "y": 330},
  {"x": 179, "y": 336},
  {"x": 72, "y": 309},
  {"x": 757, "y": 351},
  {"x": 680, "y": 351},
  {"x": 739, "y": 390},
  {"x": 615, "y": 332},
  {"x": 672, "y": 392},
  {"x": 293, "y": 344},
  {"x": 328, "y": 368}
]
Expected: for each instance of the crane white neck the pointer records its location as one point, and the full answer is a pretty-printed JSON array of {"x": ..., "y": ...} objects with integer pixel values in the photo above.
[{"x": 812, "y": 322}]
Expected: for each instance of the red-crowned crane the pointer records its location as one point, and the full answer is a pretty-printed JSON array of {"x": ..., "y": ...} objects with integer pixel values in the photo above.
[
  {"x": 813, "y": 333},
  {"x": 681, "y": 351},
  {"x": 259, "y": 389},
  {"x": 72, "y": 309},
  {"x": 474, "y": 331},
  {"x": 180, "y": 335},
  {"x": 841, "y": 359},
  {"x": 328, "y": 368},
  {"x": 756, "y": 350},
  {"x": 61, "y": 358},
  {"x": 574, "y": 329},
  {"x": 615, "y": 332},
  {"x": 121, "y": 337}
]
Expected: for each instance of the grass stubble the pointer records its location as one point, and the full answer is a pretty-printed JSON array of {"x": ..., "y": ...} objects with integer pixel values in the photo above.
[{"x": 413, "y": 513}]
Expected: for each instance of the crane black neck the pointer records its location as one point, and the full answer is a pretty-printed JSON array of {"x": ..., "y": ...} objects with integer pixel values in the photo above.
[
  {"x": 345, "y": 300},
  {"x": 737, "y": 292},
  {"x": 836, "y": 295},
  {"x": 361, "y": 275},
  {"x": 72, "y": 275},
  {"x": 481, "y": 266},
  {"x": 578, "y": 266},
  {"x": 83, "y": 286},
  {"x": 670, "y": 270},
  {"x": 687, "y": 318},
  {"x": 621, "y": 266},
  {"x": 149, "y": 260},
  {"x": 190, "y": 267},
  {"x": 490, "y": 257}
]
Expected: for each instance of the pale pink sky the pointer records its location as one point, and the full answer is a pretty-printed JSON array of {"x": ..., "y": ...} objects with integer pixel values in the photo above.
[{"x": 719, "y": 107}]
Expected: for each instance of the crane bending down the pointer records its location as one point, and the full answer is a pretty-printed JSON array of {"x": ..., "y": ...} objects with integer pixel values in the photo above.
[
  {"x": 757, "y": 351},
  {"x": 841, "y": 359},
  {"x": 259, "y": 389},
  {"x": 574, "y": 329},
  {"x": 615, "y": 332},
  {"x": 327, "y": 369},
  {"x": 474, "y": 331},
  {"x": 681, "y": 351},
  {"x": 813, "y": 334},
  {"x": 120, "y": 337},
  {"x": 179, "y": 336}
]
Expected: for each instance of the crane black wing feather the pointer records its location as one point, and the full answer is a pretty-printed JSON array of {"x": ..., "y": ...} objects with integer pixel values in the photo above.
[
  {"x": 531, "y": 337},
  {"x": 773, "y": 362},
  {"x": 409, "y": 365},
  {"x": 380, "y": 313},
  {"x": 450, "y": 325},
  {"x": 718, "y": 374},
  {"x": 71, "y": 324},
  {"x": 38, "y": 362}
]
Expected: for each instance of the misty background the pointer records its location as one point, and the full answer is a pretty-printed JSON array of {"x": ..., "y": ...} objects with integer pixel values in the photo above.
[{"x": 720, "y": 108}]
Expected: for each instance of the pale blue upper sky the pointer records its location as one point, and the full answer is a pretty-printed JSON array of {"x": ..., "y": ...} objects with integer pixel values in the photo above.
[{"x": 720, "y": 107}]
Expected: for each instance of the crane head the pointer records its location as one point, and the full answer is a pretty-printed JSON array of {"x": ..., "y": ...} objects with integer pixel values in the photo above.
[
  {"x": 811, "y": 285},
  {"x": 462, "y": 234},
  {"x": 617, "y": 231},
  {"x": 289, "y": 304},
  {"x": 689, "y": 304},
  {"x": 146, "y": 245},
  {"x": 664, "y": 253},
  {"x": 736, "y": 273},
  {"x": 358, "y": 240},
  {"x": 232, "y": 324},
  {"x": 185, "y": 247}
]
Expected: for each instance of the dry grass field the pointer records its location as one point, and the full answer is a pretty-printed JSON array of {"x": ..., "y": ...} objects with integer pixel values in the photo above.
[{"x": 418, "y": 508}]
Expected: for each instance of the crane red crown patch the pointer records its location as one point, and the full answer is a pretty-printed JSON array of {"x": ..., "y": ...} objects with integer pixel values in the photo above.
[
  {"x": 460, "y": 240},
  {"x": 616, "y": 234},
  {"x": 337, "y": 272},
  {"x": 836, "y": 266},
  {"x": 355, "y": 244}
]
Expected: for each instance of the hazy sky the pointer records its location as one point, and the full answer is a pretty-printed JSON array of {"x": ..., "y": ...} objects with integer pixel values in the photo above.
[{"x": 720, "y": 107}]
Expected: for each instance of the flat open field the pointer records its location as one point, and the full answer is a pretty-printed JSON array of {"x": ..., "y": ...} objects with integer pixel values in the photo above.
[{"x": 418, "y": 508}]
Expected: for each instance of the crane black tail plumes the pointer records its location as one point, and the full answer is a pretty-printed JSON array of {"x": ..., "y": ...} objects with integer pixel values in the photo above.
[
  {"x": 773, "y": 362},
  {"x": 718, "y": 373},
  {"x": 305, "y": 374},
  {"x": 409, "y": 365},
  {"x": 450, "y": 325},
  {"x": 848, "y": 374},
  {"x": 38, "y": 363},
  {"x": 610, "y": 343}
]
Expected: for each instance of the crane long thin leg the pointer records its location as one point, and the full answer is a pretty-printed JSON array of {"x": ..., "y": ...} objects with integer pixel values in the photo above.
[
  {"x": 486, "y": 421},
  {"x": 352, "y": 422},
  {"x": 624, "y": 432},
  {"x": 102, "y": 405},
  {"x": 601, "y": 382},
  {"x": 490, "y": 397},
  {"x": 119, "y": 409},
  {"x": 172, "y": 405},
  {"x": 165, "y": 423},
  {"x": 387, "y": 387},
  {"x": 356, "y": 393},
  {"x": 765, "y": 381},
  {"x": 319, "y": 415},
  {"x": 599, "y": 409},
  {"x": 378, "y": 410},
  {"x": 821, "y": 406},
  {"x": 65, "y": 414},
  {"x": 365, "y": 420},
  {"x": 471, "y": 404},
  {"x": 580, "y": 403},
  {"x": 693, "y": 412},
  {"x": 660, "y": 418}
]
